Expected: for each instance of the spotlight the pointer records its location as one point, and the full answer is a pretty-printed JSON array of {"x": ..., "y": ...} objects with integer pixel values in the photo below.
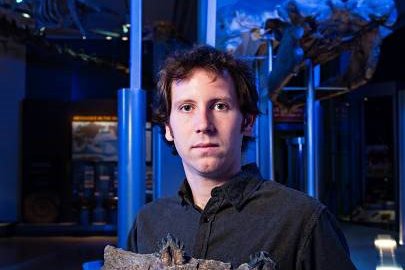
[
  {"x": 385, "y": 242},
  {"x": 124, "y": 38},
  {"x": 26, "y": 15},
  {"x": 386, "y": 246},
  {"x": 389, "y": 268},
  {"x": 84, "y": 37},
  {"x": 18, "y": 1},
  {"x": 124, "y": 29},
  {"x": 108, "y": 38}
]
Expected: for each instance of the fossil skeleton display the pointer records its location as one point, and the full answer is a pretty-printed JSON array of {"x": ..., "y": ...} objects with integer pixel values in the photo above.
[
  {"x": 317, "y": 30},
  {"x": 172, "y": 256}
]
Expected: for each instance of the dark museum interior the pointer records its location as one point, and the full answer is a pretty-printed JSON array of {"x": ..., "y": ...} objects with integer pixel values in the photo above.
[{"x": 65, "y": 66}]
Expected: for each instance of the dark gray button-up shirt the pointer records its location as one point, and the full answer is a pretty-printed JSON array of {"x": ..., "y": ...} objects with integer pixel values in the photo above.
[{"x": 244, "y": 216}]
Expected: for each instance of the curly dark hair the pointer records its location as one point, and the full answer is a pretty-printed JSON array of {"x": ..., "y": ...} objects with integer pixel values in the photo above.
[{"x": 180, "y": 66}]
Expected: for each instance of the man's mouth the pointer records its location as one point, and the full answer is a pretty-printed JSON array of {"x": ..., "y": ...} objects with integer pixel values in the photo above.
[{"x": 205, "y": 145}]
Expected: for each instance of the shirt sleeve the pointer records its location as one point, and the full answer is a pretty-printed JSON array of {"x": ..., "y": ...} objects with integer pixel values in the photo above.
[
  {"x": 326, "y": 248},
  {"x": 132, "y": 239}
]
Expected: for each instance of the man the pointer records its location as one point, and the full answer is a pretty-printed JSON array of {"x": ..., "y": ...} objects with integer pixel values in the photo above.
[{"x": 207, "y": 105}]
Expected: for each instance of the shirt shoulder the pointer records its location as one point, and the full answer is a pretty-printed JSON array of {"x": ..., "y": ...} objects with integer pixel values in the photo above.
[
  {"x": 159, "y": 207},
  {"x": 326, "y": 248},
  {"x": 281, "y": 197},
  {"x": 320, "y": 239}
]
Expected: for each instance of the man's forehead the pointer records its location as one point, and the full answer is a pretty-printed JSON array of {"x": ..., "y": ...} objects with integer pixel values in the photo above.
[
  {"x": 204, "y": 85},
  {"x": 212, "y": 74}
]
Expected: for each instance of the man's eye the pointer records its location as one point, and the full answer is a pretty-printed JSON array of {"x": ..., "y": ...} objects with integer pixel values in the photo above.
[
  {"x": 221, "y": 106},
  {"x": 186, "y": 108}
]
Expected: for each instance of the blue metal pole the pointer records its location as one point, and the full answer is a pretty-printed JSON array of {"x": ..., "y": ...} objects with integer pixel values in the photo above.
[
  {"x": 401, "y": 165},
  {"x": 211, "y": 22},
  {"x": 317, "y": 144},
  {"x": 207, "y": 12},
  {"x": 135, "y": 49},
  {"x": 270, "y": 110},
  {"x": 257, "y": 123},
  {"x": 131, "y": 165},
  {"x": 202, "y": 21},
  {"x": 168, "y": 172},
  {"x": 310, "y": 133},
  {"x": 131, "y": 132}
]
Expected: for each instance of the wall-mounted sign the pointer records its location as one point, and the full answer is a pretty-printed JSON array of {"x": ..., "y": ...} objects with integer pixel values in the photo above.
[{"x": 94, "y": 138}]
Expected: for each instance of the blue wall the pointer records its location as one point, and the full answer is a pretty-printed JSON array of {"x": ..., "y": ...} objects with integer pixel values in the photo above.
[
  {"x": 73, "y": 81},
  {"x": 12, "y": 91}
]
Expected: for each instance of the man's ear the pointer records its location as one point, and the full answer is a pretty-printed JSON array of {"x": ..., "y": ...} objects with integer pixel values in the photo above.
[
  {"x": 248, "y": 122},
  {"x": 168, "y": 133}
]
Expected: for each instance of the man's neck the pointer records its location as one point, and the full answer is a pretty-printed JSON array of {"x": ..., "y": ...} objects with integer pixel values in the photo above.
[
  {"x": 201, "y": 186},
  {"x": 201, "y": 189}
]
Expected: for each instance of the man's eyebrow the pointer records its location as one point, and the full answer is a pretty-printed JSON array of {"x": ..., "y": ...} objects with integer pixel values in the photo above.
[
  {"x": 182, "y": 101},
  {"x": 228, "y": 99},
  {"x": 224, "y": 98}
]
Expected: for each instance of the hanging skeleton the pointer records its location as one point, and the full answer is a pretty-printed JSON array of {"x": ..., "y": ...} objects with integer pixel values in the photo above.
[
  {"x": 62, "y": 13},
  {"x": 322, "y": 30},
  {"x": 318, "y": 30}
]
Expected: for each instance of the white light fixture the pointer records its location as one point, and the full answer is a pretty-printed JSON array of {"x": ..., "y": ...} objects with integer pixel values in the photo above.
[
  {"x": 124, "y": 29},
  {"x": 386, "y": 246},
  {"x": 18, "y": 1},
  {"x": 389, "y": 268},
  {"x": 124, "y": 38},
  {"x": 26, "y": 15},
  {"x": 108, "y": 38},
  {"x": 84, "y": 37},
  {"x": 385, "y": 242}
]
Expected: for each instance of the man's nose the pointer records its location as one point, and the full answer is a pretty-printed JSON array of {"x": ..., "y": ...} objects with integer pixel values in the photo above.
[{"x": 203, "y": 121}]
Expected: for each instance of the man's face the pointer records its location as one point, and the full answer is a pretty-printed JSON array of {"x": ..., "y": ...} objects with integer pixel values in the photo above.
[{"x": 205, "y": 124}]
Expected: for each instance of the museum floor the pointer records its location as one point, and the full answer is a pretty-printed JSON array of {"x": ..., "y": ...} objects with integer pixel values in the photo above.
[{"x": 20, "y": 253}]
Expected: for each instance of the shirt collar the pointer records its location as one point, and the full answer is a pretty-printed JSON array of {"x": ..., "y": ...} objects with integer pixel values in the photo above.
[{"x": 236, "y": 191}]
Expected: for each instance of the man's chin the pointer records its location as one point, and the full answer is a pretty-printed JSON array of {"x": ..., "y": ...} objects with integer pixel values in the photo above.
[
  {"x": 212, "y": 170},
  {"x": 211, "y": 167}
]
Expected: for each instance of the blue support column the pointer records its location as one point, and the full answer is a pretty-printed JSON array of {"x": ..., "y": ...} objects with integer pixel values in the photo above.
[
  {"x": 207, "y": 13},
  {"x": 401, "y": 165},
  {"x": 257, "y": 122},
  {"x": 168, "y": 172},
  {"x": 131, "y": 131},
  {"x": 264, "y": 123},
  {"x": 131, "y": 160},
  {"x": 318, "y": 113},
  {"x": 270, "y": 110},
  {"x": 310, "y": 131},
  {"x": 262, "y": 139},
  {"x": 135, "y": 49},
  {"x": 271, "y": 140}
]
